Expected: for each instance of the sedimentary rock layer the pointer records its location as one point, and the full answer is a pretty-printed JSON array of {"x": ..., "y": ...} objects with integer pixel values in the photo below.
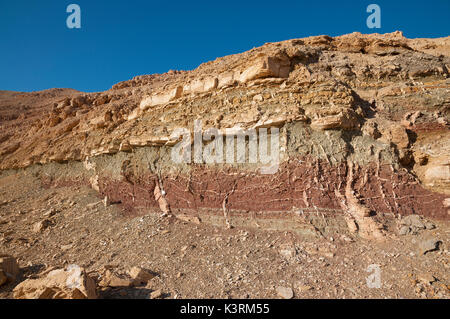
[{"x": 363, "y": 122}]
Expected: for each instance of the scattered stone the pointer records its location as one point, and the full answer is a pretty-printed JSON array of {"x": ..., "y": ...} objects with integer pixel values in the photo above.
[
  {"x": 109, "y": 279},
  {"x": 106, "y": 201},
  {"x": 156, "y": 294},
  {"x": 413, "y": 224},
  {"x": 41, "y": 226},
  {"x": 140, "y": 275},
  {"x": 428, "y": 245},
  {"x": 66, "y": 247},
  {"x": 69, "y": 283},
  {"x": 285, "y": 292},
  {"x": 426, "y": 278},
  {"x": 303, "y": 288},
  {"x": 328, "y": 254},
  {"x": 429, "y": 225},
  {"x": 288, "y": 251},
  {"x": 50, "y": 213},
  {"x": 189, "y": 219},
  {"x": 404, "y": 230}
]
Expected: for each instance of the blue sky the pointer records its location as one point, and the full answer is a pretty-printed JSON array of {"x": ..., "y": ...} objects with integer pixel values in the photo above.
[{"x": 122, "y": 39}]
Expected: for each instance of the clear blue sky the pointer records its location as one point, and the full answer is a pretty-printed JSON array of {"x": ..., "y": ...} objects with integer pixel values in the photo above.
[{"x": 122, "y": 39}]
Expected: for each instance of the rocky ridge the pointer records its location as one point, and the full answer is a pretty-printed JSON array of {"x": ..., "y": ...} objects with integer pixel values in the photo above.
[{"x": 363, "y": 125}]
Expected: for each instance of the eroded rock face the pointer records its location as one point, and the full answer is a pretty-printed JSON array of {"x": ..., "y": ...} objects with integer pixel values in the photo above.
[
  {"x": 69, "y": 283},
  {"x": 432, "y": 161},
  {"x": 376, "y": 103}
]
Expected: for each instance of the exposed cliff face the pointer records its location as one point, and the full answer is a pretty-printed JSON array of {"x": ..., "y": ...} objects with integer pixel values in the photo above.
[{"x": 363, "y": 122}]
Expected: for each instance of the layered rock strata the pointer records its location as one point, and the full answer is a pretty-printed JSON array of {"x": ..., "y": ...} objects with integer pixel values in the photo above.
[{"x": 363, "y": 124}]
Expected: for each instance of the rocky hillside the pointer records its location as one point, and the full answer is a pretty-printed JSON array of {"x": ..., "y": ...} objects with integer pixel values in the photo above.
[{"x": 363, "y": 126}]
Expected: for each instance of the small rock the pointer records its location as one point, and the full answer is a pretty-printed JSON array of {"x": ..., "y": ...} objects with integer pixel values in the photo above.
[
  {"x": 428, "y": 245},
  {"x": 303, "y": 288},
  {"x": 66, "y": 247},
  {"x": 155, "y": 294},
  {"x": 140, "y": 275},
  {"x": 106, "y": 201},
  {"x": 446, "y": 202},
  {"x": 426, "y": 278},
  {"x": 41, "y": 226},
  {"x": 285, "y": 292},
  {"x": 288, "y": 251},
  {"x": 50, "y": 213},
  {"x": 429, "y": 225},
  {"x": 110, "y": 279},
  {"x": 189, "y": 219},
  {"x": 404, "y": 230},
  {"x": 258, "y": 98}
]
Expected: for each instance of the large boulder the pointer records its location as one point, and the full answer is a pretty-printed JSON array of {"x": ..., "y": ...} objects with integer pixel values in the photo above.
[{"x": 69, "y": 283}]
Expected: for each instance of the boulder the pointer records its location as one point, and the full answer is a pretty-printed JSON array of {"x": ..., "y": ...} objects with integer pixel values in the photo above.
[{"x": 69, "y": 283}]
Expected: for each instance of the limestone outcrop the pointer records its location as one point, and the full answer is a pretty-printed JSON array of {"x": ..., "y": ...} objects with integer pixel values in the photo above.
[{"x": 374, "y": 105}]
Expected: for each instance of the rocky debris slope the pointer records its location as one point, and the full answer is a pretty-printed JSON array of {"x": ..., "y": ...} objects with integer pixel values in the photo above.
[{"x": 363, "y": 123}]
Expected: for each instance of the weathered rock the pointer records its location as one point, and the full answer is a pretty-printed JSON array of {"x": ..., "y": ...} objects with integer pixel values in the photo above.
[
  {"x": 69, "y": 283},
  {"x": 188, "y": 218},
  {"x": 156, "y": 294},
  {"x": 41, "y": 225},
  {"x": 428, "y": 245},
  {"x": 110, "y": 279},
  {"x": 285, "y": 292},
  {"x": 288, "y": 251},
  {"x": 266, "y": 67},
  {"x": 140, "y": 275},
  {"x": 333, "y": 118},
  {"x": 9, "y": 269},
  {"x": 304, "y": 288},
  {"x": 199, "y": 86}
]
